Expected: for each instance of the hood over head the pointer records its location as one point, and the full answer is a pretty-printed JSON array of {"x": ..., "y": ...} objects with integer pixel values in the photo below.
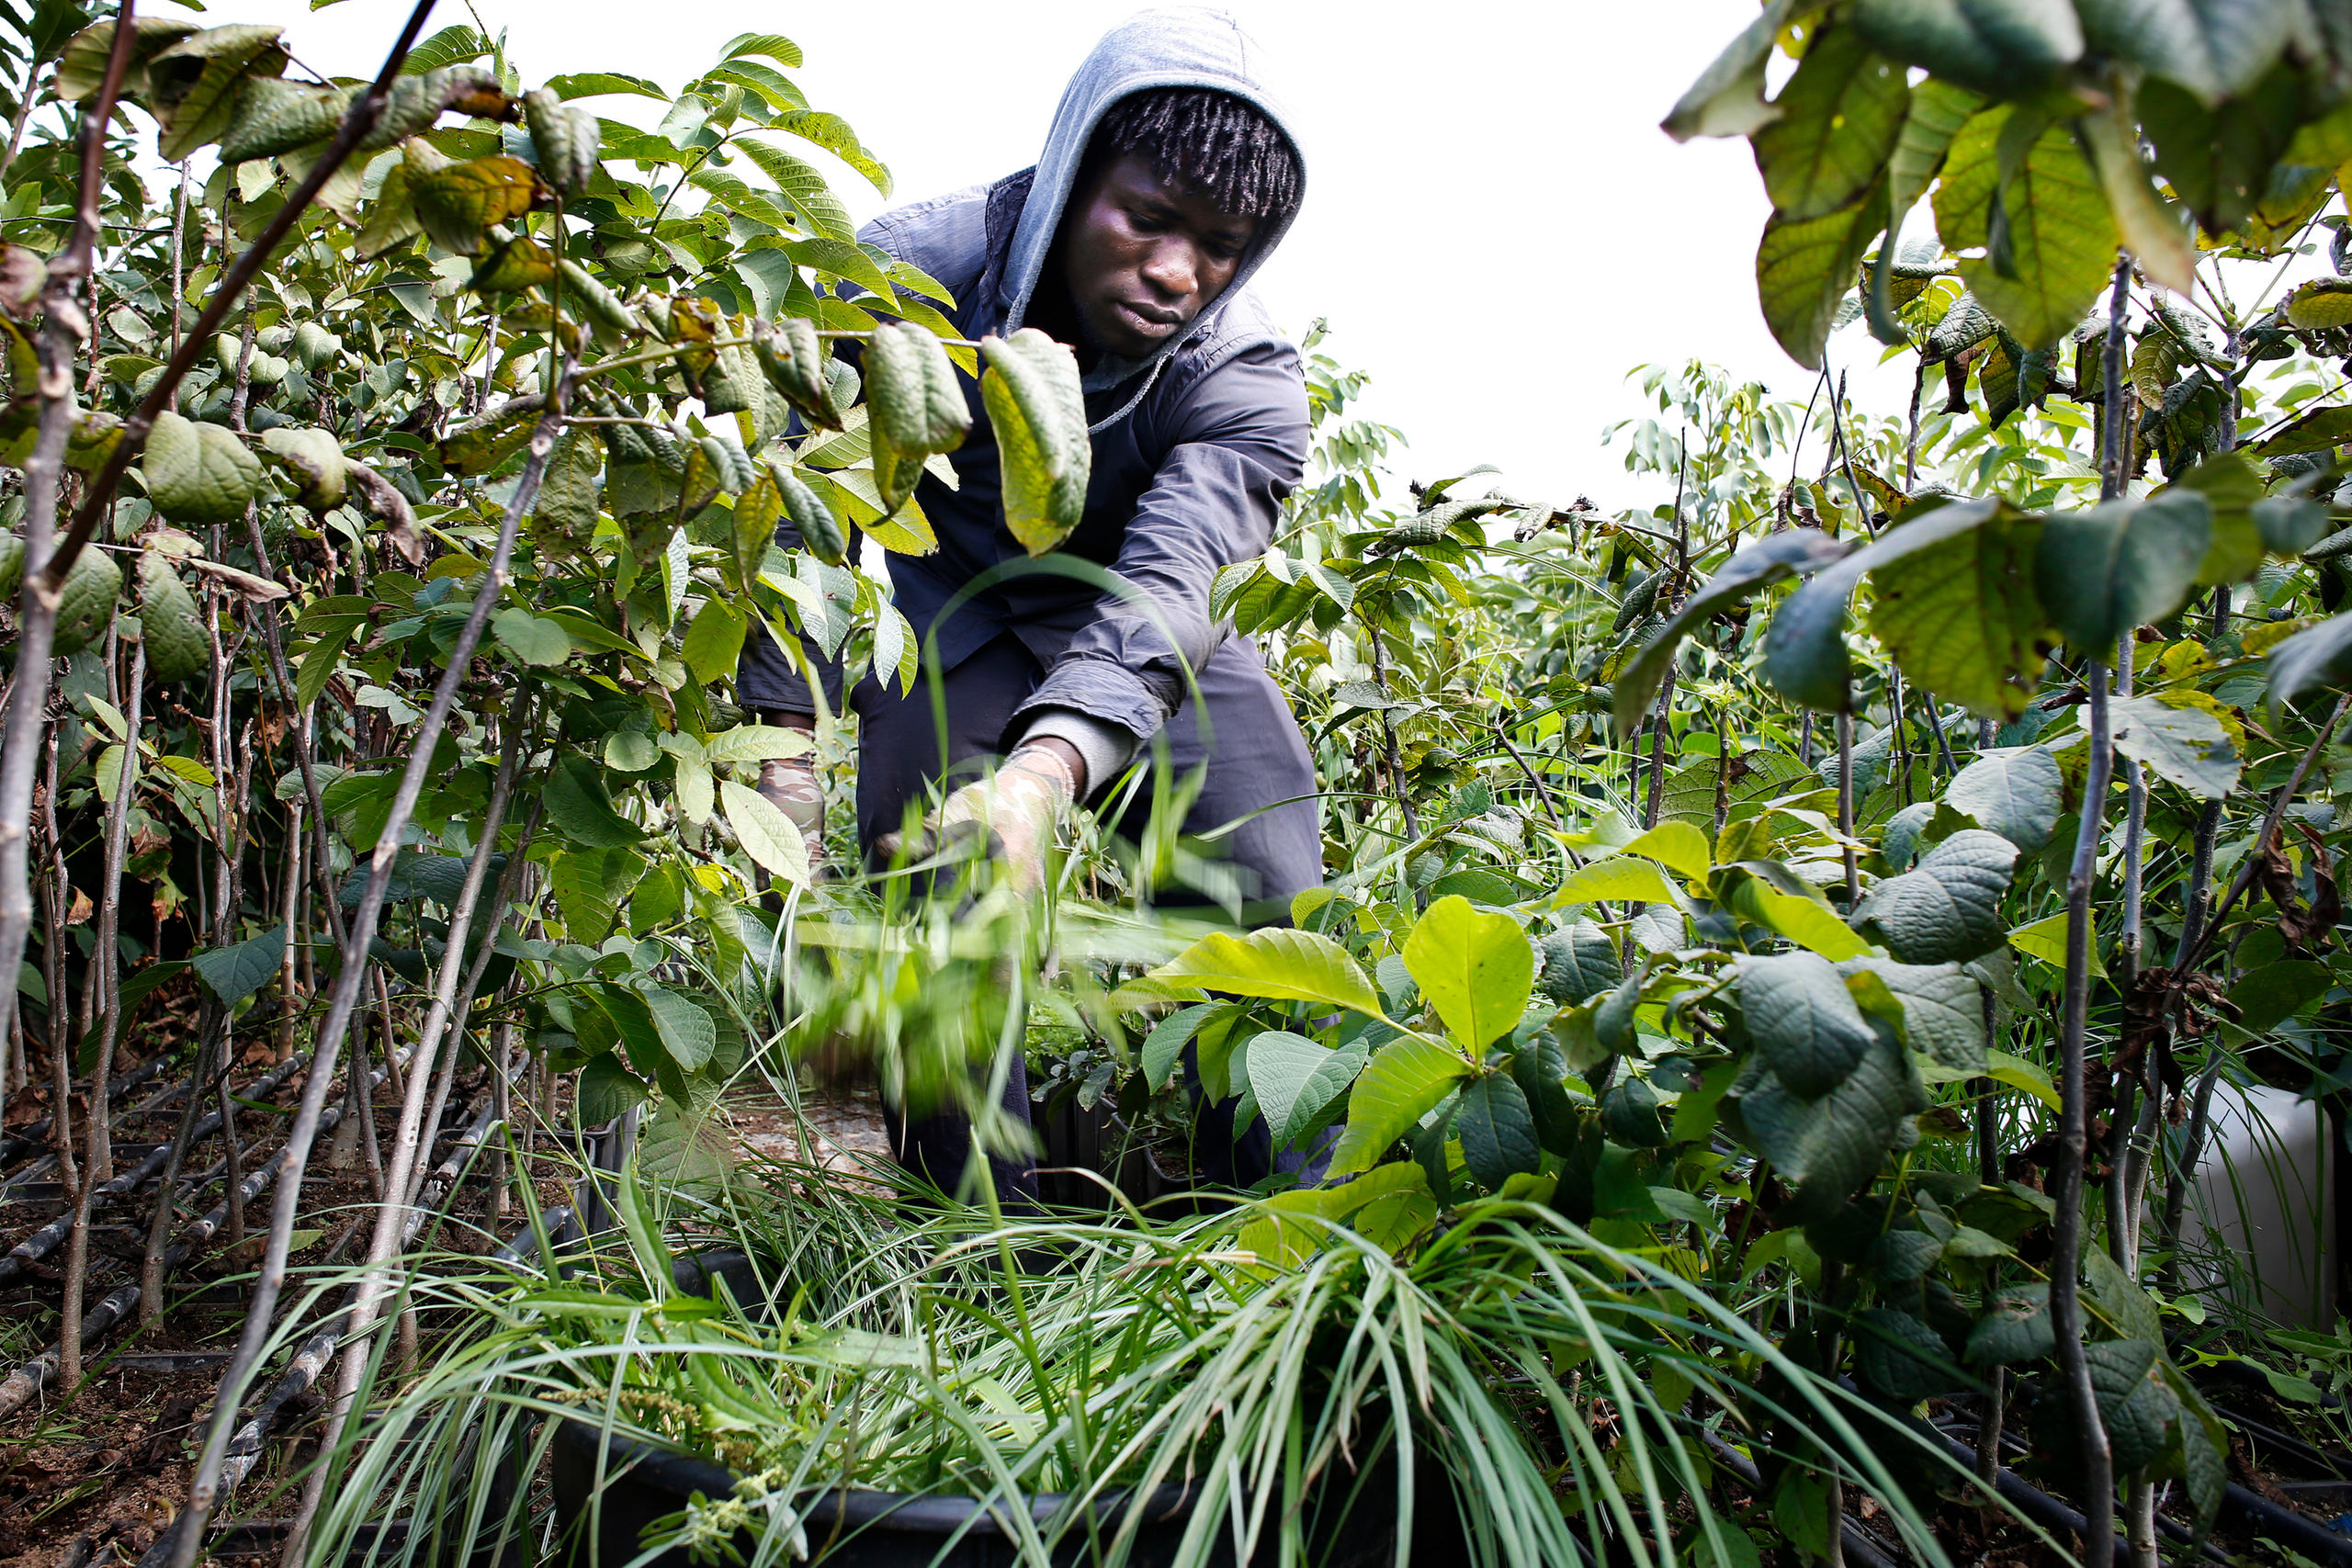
[{"x": 1178, "y": 47}]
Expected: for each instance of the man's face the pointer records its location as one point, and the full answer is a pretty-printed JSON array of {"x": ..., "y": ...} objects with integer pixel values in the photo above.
[{"x": 1144, "y": 255}]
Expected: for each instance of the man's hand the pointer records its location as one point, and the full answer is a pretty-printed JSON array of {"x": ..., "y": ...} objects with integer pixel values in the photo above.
[{"x": 1018, "y": 808}]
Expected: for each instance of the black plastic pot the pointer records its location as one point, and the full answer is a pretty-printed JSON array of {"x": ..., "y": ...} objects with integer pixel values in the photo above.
[{"x": 879, "y": 1529}]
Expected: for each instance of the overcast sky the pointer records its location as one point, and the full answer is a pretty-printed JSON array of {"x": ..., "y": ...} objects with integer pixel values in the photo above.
[{"x": 1495, "y": 229}]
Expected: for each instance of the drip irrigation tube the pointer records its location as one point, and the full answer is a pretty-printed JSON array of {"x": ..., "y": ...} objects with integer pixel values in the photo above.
[
  {"x": 308, "y": 1362},
  {"x": 25, "y": 1139},
  {"x": 44, "y": 1241},
  {"x": 23, "y": 1177}
]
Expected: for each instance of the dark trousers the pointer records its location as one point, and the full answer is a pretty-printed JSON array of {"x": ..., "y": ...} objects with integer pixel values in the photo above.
[{"x": 1255, "y": 758}]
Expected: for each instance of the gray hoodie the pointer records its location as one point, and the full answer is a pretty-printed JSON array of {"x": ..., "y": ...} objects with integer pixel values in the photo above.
[{"x": 1195, "y": 447}]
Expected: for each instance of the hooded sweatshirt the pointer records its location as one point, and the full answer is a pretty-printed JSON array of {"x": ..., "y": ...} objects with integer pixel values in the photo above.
[{"x": 1193, "y": 448}]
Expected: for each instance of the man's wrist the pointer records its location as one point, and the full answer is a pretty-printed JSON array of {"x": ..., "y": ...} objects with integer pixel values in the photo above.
[{"x": 1064, "y": 755}]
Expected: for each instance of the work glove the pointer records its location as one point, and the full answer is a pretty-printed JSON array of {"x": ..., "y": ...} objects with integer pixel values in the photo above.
[
  {"x": 791, "y": 785},
  {"x": 1011, "y": 816}
]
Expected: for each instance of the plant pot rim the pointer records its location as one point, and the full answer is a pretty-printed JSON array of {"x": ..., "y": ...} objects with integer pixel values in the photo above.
[{"x": 851, "y": 1507}]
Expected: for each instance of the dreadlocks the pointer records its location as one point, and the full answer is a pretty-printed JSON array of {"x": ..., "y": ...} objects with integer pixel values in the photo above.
[{"x": 1219, "y": 145}]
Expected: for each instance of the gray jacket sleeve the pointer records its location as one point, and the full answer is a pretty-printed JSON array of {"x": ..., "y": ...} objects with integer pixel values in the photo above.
[{"x": 1240, "y": 446}]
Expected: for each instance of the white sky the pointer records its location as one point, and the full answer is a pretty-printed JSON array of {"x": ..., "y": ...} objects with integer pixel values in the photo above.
[{"x": 1495, "y": 228}]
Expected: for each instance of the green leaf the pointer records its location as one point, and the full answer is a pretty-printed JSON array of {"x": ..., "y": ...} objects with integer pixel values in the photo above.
[
  {"x": 457, "y": 204},
  {"x": 1807, "y": 1029},
  {"x": 1832, "y": 1145},
  {"x": 2212, "y": 48},
  {"x": 1294, "y": 1081},
  {"x": 1755, "y": 567},
  {"x": 2015, "y": 792},
  {"x": 2268, "y": 996},
  {"x": 1901, "y": 1356},
  {"x": 766, "y": 833},
  {"x": 607, "y": 1091},
  {"x": 1278, "y": 964},
  {"x": 2316, "y": 653},
  {"x": 1948, "y": 909},
  {"x": 2319, "y": 431},
  {"x": 833, "y": 134},
  {"x": 2152, "y": 232},
  {"x": 1403, "y": 1082},
  {"x": 198, "y": 474},
  {"x": 2219, "y": 159},
  {"x": 1164, "y": 1046},
  {"x": 1943, "y": 1009},
  {"x": 274, "y": 116},
  {"x": 917, "y": 406},
  {"x": 1804, "y": 648},
  {"x": 2232, "y": 489},
  {"x": 2184, "y": 745},
  {"x": 1728, "y": 98},
  {"x": 687, "y": 1032},
  {"x": 232, "y": 974},
  {"x": 192, "y": 85},
  {"x": 2134, "y": 1404},
  {"x": 564, "y": 519},
  {"x": 1807, "y": 922},
  {"x": 1838, "y": 118},
  {"x": 714, "y": 641},
  {"x": 532, "y": 638},
  {"x": 1475, "y": 969},
  {"x": 2060, "y": 244},
  {"x": 2003, "y": 47},
  {"x": 315, "y": 460},
  {"x": 1038, "y": 412},
  {"x": 1678, "y": 846},
  {"x": 1498, "y": 1132},
  {"x": 1803, "y": 268},
  {"x": 2020, "y": 1074},
  {"x": 578, "y": 810},
  {"x": 1578, "y": 961},
  {"x": 1960, "y": 616},
  {"x": 2016, "y": 1326},
  {"x": 589, "y": 886},
  {"x": 1638, "y": 881},
  {"x": 2121, "y": 564}
]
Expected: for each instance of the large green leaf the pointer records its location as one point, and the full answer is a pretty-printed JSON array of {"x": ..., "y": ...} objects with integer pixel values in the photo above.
[
  {"x": 767, "y": 834},
  {"x": 2312, "y": 655},
  {"x": 1475, "y": 969},
  {"x": 1276, "y": 964},
  {"x": 2060, "y": 243},
  {"x": 1838, "y": 118},
  {"x": 2218, "y": 160},
  {"x": 589, "y": 886},
  {"x": 581, "y": 811},
  {"x": 608, "y": 1090},
  {"x": 232, "y": 974},
  {"x": 1804, "y": 267},
  {"x": 1961, "y": 617},
  {"x": 1948, "y": 909},
  {"x": 2016, "y": 1327},
  {"x": 1901, "y": 1356},
  {"x": 1403, "y": 1082},
  {"x": 1728, "y": 98},
  {"x": 2186, "y": 745},
  {"x": 1829, "y": 1146},
  {"x": 1578, "y": 960},
  {"x": 2008, "y": 48},
  {"x": 2120, "y": 564},
  {"x": 1280, "y": 1066},
  {"x": 1943, "y": 1011},
  {"x": 1498, "y": 1131},
  {"x": 200, "y": 473},
  {"x": 2015, "y": 792},
  {"x": 2212, "y": 48},
  {"x": 1756, "y": 565},
  {"x": 1038, "y": 412},
  {"x": 1805, "y": 1021},
  {"x": 686, "y": 1030},
  {"x": 1805, "y": 649},
  {"x": 1622, "y": 877}
]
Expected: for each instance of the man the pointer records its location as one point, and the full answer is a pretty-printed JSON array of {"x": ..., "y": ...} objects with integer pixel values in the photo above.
[{"x": 1167, "y": 179}]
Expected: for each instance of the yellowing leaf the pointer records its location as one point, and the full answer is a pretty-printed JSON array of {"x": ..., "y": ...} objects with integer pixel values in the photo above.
[{"x": 1038, "y": 410}]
